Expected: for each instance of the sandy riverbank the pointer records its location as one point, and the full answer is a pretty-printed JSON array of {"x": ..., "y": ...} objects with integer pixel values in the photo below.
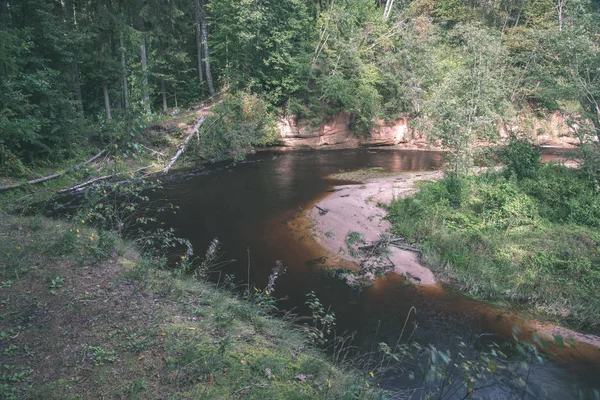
[{"x": 354, "y": 208}]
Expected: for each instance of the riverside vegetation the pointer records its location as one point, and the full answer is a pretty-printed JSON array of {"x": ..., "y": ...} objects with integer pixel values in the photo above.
[
  {"x": 527, "y": 235},
  {"x": 76, "y": 75}
]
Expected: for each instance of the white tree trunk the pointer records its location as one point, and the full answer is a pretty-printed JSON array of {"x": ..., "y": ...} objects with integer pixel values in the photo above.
[
  {"x": 199, "y": 40},
  {"x": 560, "y": 7},
  {"x": 163, "y": 90},
  {"x": 388, "y": 9},
  {"x": 124, "y": 72},
  {"x": 209, "y": 79},
  {"x": 78, "y": 96},
  {"x": 106, "y": 100},
  {"x": 145, "y": 77}
]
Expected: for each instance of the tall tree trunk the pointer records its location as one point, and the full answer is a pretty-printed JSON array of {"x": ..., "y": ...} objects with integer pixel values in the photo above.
[
  {"x": 67, "y": 7},
  {"x": 5, "y": 13},
  {"x": 106, "y": 100},
  {"x": 560, "y": 4},
  {"x": 124, "y": 72},
  {"x": 163, "y": 90},
  {"x": 145, "y": 76},
  {"x": 209, "y": 79},
  {"x": 77, "y": 83},
  {"x": 199, "y": 40},
  {"x": 388, "y": 9}
]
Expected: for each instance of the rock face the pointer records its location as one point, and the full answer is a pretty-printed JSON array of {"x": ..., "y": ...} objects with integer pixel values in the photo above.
[
  {"x": 337, "y": 133},
  {"x": 384, "y": 134}
]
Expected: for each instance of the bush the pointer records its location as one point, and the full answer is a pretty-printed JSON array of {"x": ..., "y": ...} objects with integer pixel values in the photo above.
[
  {"x": 239, "y": 123},
  {"x": 564, "y": 195},
  {"x": 521, "y": 158},
  {"x": 10, "y": 165}
]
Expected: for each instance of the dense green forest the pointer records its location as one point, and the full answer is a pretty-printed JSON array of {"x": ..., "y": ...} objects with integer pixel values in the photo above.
[{"x": 88, "y": 72}]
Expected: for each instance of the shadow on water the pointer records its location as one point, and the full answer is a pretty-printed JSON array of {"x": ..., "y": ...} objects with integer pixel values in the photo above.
[{"x": 255, "y": 206}]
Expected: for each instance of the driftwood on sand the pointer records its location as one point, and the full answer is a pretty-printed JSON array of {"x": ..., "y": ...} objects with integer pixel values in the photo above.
[
  {"x": 184, "y": 145},
  {"x": 49, "y": 177},
  {"x": 399, "y": 242}
]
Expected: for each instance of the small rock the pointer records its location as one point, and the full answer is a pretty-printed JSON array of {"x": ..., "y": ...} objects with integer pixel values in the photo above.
[
  {"x": 303, "y": 377},
  {"x": 268, "y": 373}
]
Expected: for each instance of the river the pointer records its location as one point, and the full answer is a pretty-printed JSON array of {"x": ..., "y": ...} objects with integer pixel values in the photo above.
[{"x": 255, "y": 209}]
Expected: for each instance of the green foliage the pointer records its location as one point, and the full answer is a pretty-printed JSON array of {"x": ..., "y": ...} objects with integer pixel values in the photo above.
[
  {"x": 455, "y": 67},
  {"x": 565, "y": 196},
  {"x": 66, "y": 244},
  {"x": 10, "y": 164},
  {"x": 323, "y": 322},
  {"x": 239, "y": 123},
  {"x": 261, "y": 49},
  {"x": 531, "y": 241},
  {"x": 99, "y": 355},
  {"x": 588, "y": 151},
  {"x": 521, "y": 158},
  {"x": 469, "y": 95}
]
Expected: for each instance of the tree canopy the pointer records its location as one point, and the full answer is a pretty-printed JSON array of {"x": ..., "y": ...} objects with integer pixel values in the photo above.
[{"x": 459, "y": 69}]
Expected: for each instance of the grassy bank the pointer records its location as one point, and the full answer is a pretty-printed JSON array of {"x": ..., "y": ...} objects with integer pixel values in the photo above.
[
  {"x": 83, "y": 315},
  {"x": 532, "y": 242}
]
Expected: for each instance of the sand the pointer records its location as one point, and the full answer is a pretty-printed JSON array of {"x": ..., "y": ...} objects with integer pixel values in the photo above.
[{"x": 354, "y": 208}]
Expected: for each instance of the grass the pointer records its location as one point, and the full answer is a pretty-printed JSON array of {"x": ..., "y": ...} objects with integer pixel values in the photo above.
[
  {"x": 531, "y": 243},
  {"x": 75, "y": 325},
  {"x": 363, "y": 174}
]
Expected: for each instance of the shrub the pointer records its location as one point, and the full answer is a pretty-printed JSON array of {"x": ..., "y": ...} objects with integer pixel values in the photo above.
[
  {"x": 239, "y": 123},
  {"x": 521, "y": 158},
  {"x": 10, "y": 165}
]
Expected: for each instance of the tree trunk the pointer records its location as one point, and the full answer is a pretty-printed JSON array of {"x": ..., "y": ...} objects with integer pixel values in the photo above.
[
  {"x": 5, "y": 13},
  {"x": 209, "y": 79},
  {"x": 106, "y": 100},
  {"x": 145, "y": 77},
  {"x": 199, "y": 40},
  {"x": 388, "y": 9},
  {"x": 77, "y": 88},
  {"x": 163, "y": 90},
  {"x": 124, "y": 72},
  {"x": 559, "y": 6}
]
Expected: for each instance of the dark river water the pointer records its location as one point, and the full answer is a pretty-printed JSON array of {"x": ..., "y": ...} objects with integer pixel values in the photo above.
[{"x": 255, "y": 208}]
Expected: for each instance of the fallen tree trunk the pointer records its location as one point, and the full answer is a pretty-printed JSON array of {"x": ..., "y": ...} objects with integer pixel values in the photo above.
[
  {"x": 183, "y": 146},
  {"x": 49, "y": 177},
  {"x": 100, "y": 178}
]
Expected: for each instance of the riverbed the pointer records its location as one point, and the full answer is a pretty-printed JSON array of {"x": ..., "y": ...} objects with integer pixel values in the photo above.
[{"x": 258, "y": 210}]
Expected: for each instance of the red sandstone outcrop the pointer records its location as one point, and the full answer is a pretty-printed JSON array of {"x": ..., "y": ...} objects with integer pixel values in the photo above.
[
  {"x": 386, "y": 134},
  {"x": 551, "y": 130},
  {"x": 337, "y": 133}
]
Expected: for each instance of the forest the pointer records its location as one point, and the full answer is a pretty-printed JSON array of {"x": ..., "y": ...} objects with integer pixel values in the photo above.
[
  {"x": 79, "y": 73},
  {"x": 159, "y": 238}
]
